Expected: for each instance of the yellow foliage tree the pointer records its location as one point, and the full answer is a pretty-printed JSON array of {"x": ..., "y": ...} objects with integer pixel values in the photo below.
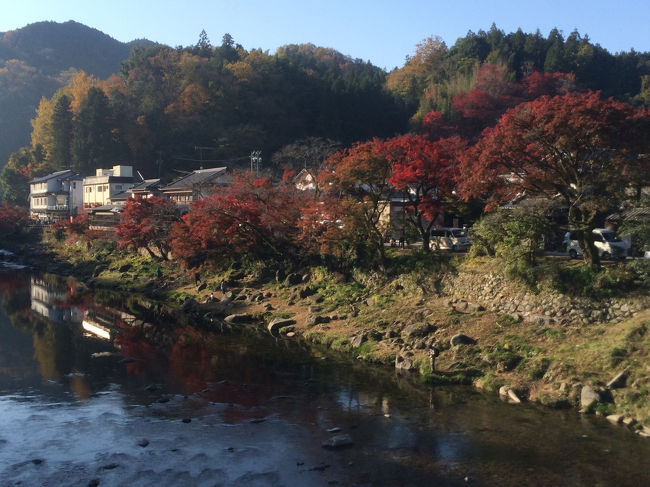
[{"x": 42, "y": 125}]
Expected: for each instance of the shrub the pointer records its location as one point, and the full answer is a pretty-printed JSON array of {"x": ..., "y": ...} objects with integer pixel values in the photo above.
[
  {"x": 13, "y": 221},
  {"x": 538, "y": 367}
]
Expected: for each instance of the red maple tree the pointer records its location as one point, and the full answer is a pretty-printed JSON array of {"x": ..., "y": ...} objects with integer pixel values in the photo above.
[
  {"x": 360, "y": 175},
  {"x": 494, "y": 93},
  {"x": 579, "y": 147},
  {"x": 12, "y": 219},
  {"x": 253, "y": 217},
  {"x": 424, "y": 173},
  {"x": 146, "y": 223}
]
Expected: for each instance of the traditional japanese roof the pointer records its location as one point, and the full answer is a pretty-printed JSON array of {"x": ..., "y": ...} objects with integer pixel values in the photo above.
[
  {"x": 630, "y": 214},
  {"x": 195, "y": 178},
  {"x": 144, "y": 185},
  {"x": 123, "y": 196},
  {"x": 66, "y": 173},
  {"x": 112, "y": 208}
]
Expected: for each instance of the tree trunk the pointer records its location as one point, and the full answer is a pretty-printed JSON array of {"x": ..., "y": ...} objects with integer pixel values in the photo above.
[{"x": 584, "y": 225}]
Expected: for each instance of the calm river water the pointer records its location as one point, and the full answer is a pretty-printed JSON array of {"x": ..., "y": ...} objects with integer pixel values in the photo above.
[{"x": 85, "y": 400}]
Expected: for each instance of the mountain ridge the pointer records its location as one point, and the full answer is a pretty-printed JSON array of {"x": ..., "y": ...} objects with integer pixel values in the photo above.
[{"x": 38, "y": 59}]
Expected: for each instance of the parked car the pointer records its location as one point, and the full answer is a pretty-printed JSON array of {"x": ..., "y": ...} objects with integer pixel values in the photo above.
[
  {"x": 453, "y": 239},
  {"x": 608, "y": 244}
]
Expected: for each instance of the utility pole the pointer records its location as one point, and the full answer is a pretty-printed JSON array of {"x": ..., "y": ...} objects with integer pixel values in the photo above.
[
  {"x": 201, "y": 149},
  {"x": 256, "y": 161},
  {"x": 159, "y": 162}
]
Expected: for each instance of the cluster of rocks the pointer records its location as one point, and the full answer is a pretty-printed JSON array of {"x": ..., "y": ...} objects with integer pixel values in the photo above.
[{"x": 498, "y": 294}]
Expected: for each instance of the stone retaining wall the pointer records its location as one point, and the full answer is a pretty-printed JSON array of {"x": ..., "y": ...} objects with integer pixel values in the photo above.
[{"x": 496, "y": 293}]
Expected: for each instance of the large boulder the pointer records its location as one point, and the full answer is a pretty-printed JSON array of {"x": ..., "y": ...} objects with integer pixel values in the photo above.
[
  {"x": 293, "y": 279},
  {"x": 467, "y": 307},
  {"x": 418, "y": 329},
  {"x": 541, "y": 320},
  {"x": 314, "y": 319},
  {"x": 306, "y": 292},
  {"x": 588, "y": 397},
  {"x": 507, "y": 394},
  {"x": 238, "y": 318},
  {"x": 460, "y": 339},
  {"x": 358, "y": 340},
  {"x": 403, "y": 363},
  {"x": 188, "y": 305},
  {"x": 277, "y": 323},
  {"x": 618, "y": 381}
]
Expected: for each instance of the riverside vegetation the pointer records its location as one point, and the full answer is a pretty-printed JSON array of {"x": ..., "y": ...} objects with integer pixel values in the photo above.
[{"x": 490, "y": 328}]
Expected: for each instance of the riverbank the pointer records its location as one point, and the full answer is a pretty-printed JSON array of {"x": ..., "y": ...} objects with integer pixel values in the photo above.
[{"x": 485, "y": 330}]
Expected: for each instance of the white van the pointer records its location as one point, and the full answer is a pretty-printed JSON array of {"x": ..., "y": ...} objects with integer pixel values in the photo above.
[
  {"x": 608, "y": 244},
  {"x": 453, "y": 239}
]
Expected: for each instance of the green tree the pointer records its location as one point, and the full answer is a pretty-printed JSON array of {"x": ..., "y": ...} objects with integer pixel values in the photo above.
[
  {"x": 203, "y": 46},
  {"x": 23, "y": 165},
  {"x": 92, "y": 144},
  {"x": 62, "y": 133}
]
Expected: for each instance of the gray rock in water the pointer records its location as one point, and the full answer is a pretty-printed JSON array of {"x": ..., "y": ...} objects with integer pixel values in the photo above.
[
  {"x": 507, "y": 394},
  {"x": 143, "y": 442},
  {"x": 338, "y": 441},
  {"x": 403, "y": 363},
  {"x": 277, "y": 323},
  {"x": 615, "y": 418},
  {"x": 644, "y": 431},
  {"x": 588, "y": 397},
  {"x": 461, "y": 339}
]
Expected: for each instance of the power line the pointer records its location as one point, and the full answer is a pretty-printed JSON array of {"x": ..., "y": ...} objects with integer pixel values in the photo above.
[{"x": 181, "y": 158}]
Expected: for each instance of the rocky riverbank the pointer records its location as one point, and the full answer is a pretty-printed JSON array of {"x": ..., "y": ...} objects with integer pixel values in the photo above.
[{"x": 467, "y": 326}]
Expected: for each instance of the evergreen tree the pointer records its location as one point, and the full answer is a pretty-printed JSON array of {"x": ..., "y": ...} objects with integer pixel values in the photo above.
[
  {"x": 92, "y": 145},
  {"x": 62, "y": 133}
]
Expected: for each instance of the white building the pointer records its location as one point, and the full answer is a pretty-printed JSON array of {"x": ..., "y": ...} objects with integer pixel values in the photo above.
[
  {"x": 98, "y": 189},
  {"x": 55, "y": 196}
]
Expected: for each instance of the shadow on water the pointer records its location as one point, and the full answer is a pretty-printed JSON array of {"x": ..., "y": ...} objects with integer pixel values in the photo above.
[{"x": 82, "y": 383}]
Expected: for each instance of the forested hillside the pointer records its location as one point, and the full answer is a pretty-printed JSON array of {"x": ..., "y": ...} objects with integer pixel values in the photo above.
[
  {"x": 40, "y": 58},
  {"x": 436, "y": 73},
  {"x": 170, "y": 109}
]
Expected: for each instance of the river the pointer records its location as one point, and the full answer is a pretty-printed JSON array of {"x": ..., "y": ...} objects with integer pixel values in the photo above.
[{"x": 86, "y": 400}]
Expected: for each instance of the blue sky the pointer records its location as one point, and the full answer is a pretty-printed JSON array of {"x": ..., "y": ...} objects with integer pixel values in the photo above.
[{"x": 380, "y": 31}]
